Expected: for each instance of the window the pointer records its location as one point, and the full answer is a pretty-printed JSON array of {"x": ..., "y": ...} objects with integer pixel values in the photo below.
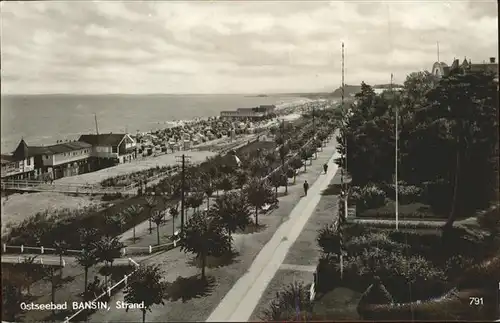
[
  {"x": 28, "y": 162},
  {"x": 114, "y": 149}
]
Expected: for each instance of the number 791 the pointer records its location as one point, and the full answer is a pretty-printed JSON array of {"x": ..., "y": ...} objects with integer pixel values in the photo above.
[{"x": 475, "y": 301}]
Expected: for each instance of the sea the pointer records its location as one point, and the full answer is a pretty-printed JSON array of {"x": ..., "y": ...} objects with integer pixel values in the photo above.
[{"x": 45, "y": 119}]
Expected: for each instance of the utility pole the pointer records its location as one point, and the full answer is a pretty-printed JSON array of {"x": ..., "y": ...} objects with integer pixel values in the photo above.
[
  {"x": 183, "y": 160},
  {"x": 396, "y": 156}
]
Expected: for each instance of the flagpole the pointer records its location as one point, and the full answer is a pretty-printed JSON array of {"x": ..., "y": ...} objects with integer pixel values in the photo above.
[{"x": 396, "y": 159}]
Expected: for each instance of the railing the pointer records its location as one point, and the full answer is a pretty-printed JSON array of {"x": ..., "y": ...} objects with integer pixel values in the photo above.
[
  {"x": 150, "y": 249},
  {"x": 41, "y": 250},
  {"x": 63, "y": 188},
  {"x": 109, "y": 289},
  {"x": 41, "y": 261},
  {"x": 72, "y": 252}
]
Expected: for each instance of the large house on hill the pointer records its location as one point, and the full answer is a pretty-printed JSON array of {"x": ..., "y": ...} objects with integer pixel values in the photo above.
[{"x": 441, "y": 69}]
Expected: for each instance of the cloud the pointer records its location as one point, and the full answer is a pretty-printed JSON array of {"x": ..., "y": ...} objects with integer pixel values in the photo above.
[{"x": 232, "y": 47}]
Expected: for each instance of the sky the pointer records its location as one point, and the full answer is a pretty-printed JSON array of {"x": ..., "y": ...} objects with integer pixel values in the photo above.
[{"x": 205, "y": 47}]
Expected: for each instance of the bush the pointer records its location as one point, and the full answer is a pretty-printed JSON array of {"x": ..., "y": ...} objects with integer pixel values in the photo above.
[
  {"x": 284, "y": 306},
  {"x": 357, "y": 245},
  {"x": 329, "y": 239},
  {"x": 438, "y": 195},
  {"x": 328, "y": 272},
  {"x": 397, "y": 272},
  {"x": 371, "y": 197},
  {"x": 376, "y": 293}
]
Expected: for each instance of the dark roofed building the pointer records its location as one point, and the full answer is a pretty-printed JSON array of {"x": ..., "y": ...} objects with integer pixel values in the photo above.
[
  {"x": 115, "y": 146},
  {"x": 441, "y": 69},
  {"x": 65, "y": 147},
  {"x": 108, "y": 139},
  {"x": 18, "y": 165}
]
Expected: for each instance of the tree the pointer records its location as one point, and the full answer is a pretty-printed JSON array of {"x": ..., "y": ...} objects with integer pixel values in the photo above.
[
  {"x": 61, "y": 247},
  {"x": 277, "y": 179},
  {"x": 296, "y": 163},
  {"x": 130, "y": 214},
  {"x": 304, "y": 155},
  {"x": 47, "y": 273},
  {"x": 258, "y": 193},
  {"x": 113, "y": 222},
  {"x": 258, "y": 167},
  {"x": 107, "y": 249},
  {"x": 11, "y": 300},
  {"x": 290, "y": 173},
  {"x": 150, "y": 203},
  {"x": 196, "y": 200},
  {"x": 174, "y": 212},
  {"x": 157, "y": 218},
  {"x": 283, "y": 152},
  {"x": 270, "y": 158},
  {"x": 226, "y": 183},
  {"x": 88, "y": 237},
  {"x": 240, "y": 178},
  {"x": 209, "y": 191},
  {"x": 232, "y": 211},
  {"x": 469, "y": 103},
  {"x": 87, "y": 258},
  {"x": 204, "y": 236},
  {"x": 146, "y": 286}
]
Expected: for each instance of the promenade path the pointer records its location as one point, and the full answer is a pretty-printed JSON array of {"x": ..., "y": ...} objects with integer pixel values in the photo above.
[{"x": 242, "y": 299}]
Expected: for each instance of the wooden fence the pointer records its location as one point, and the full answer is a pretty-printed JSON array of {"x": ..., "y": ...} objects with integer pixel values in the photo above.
[{"x": 109, "y": 289}]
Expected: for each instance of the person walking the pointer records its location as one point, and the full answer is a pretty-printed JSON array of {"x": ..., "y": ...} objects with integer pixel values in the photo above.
[
  {"x": 325, "y": 167},
  {"x": 306, "y": 188}
]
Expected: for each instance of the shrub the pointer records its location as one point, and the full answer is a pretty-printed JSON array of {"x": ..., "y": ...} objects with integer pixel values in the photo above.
[
  {"x": 380, "y": 240},
  {"x": 397, "y": 272},
  {"x": 284, "y": 306},
  {"x": 485, "y": 275},
  {"x": 371, "y": 197},
  {"x": 328, "y": 271},
  {"x": 376, "y": 293},
  {"x": 438, "y": 194},
  {"x": 329, "y": 239},
  {"x": 456, "y": 265}
]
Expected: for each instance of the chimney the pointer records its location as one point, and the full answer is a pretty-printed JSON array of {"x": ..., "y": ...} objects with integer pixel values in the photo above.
[{"x": 492, "y": 60}]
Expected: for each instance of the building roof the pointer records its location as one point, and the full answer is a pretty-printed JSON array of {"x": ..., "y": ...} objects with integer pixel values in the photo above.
[
  {"x": 57, "y": 148},
  {"x": 108, "y": 139},
  {"x": 21, "y": 151},
  {"x": 5, "y": 159}
]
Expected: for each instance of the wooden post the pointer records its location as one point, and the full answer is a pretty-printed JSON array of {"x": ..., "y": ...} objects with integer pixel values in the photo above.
[
  {"x": 22, "y": 248},
  {"x": 41, "y": 249},
  {"x": 4, "y": 247},
  {"x": 150, "y": 249}
]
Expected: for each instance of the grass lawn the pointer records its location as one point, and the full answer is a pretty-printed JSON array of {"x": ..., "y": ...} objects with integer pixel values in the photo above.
[{"x": 338, "y": 304}]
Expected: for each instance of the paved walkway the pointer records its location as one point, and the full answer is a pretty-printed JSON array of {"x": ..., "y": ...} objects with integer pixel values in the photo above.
[{"x": 241, "y": 300}]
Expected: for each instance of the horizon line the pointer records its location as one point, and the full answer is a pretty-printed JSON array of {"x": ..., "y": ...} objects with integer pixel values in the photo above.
[{"x": 130, "y": 94}]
